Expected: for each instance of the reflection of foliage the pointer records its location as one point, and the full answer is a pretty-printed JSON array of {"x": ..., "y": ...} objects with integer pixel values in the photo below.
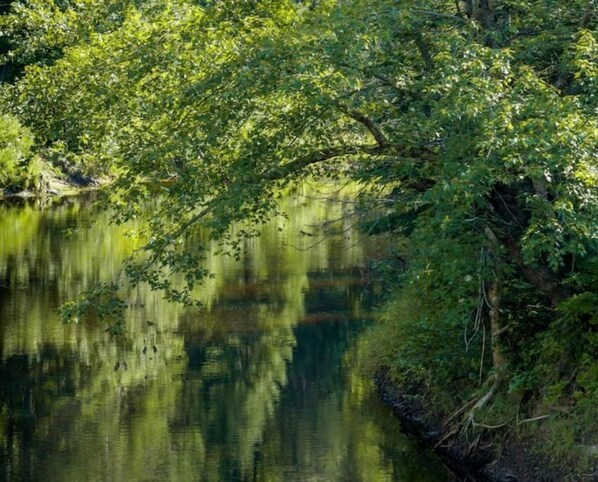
[
  {"x": 181, "y": 392},
  {"x": 103, "y": 301},
  {"x": 36, "y": 242},
  {"x": 18, "y": 228}
]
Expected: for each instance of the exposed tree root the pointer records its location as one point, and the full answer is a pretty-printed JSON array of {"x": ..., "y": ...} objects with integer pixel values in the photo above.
[
  {"x": 498, "y": 359},
  {"x": 469, "y": 420},
  {"x": 459, "y": 411},
  {"x": 498, "y": 377}
]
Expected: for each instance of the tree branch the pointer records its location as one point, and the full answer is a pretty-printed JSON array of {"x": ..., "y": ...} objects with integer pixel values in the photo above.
[
  {"x": 587, "y": 18},
  {"x": 424, "y": 51},
  {"x": 326, "y": 154},
  {"x": 371, "y": 126},
  {"x": 539, "y": 277},
  {"x": 322, "y": 155}
]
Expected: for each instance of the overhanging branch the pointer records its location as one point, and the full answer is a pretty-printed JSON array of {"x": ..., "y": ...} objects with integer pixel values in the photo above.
[
  {"x": 327, "y": 154},
  {"x": 538, "y": 276},
  {"x": 322, "y": 155},
  {"x": 371, "y": 126}
]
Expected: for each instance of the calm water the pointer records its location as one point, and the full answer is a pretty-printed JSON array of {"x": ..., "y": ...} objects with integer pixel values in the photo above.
[{"x": 255, "y": 387}]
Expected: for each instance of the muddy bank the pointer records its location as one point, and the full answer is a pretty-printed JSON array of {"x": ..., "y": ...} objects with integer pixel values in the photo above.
[{"x": 481, "y": 456}]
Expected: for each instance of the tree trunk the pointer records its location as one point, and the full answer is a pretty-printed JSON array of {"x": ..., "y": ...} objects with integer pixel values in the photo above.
[
  {"x": 482, "y": 11},
  {"x": 496, "y": 329},
  {"x": 498, "y": 358}
]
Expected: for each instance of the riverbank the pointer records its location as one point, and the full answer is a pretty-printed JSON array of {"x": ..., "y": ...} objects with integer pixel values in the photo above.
[
  {"x": 522, "y": 409},
  {"x": 487, "y": 455},
  {"x": 53, "y": 184}
]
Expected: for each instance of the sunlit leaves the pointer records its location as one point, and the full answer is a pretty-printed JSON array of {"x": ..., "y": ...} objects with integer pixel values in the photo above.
[
  {"x": 17, "y": 165},
  {"x": 463, "y": 125}
]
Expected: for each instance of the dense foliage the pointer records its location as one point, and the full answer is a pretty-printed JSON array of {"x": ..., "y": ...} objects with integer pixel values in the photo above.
[
  {"x": 471, "y": 125},
  {"x": 18, "y": 165}
]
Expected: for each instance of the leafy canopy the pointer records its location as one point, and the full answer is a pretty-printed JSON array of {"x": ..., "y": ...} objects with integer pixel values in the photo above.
[{"x": 471, "y": 125}]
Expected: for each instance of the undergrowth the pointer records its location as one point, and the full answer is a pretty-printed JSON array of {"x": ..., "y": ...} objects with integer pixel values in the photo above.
[{"x": 549, "y": 403}]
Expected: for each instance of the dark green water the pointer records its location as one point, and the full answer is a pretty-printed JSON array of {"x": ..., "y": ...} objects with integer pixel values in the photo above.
[{"x": 258, "y": 386}]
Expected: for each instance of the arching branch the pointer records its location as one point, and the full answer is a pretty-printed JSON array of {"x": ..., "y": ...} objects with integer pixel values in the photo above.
[
  {"x": 386, "y": 148},
  {"x": 371, "y": 126}
]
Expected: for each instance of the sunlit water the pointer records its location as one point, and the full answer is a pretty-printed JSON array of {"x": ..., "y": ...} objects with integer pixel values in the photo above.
[{"x": 257, "y": 386}]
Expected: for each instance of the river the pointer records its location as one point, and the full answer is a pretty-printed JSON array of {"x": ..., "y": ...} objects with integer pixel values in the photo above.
[{"x": 258, "y": 385}]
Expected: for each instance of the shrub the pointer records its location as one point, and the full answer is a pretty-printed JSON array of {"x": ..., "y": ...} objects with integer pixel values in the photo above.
[{"x": 18, "y": 168}]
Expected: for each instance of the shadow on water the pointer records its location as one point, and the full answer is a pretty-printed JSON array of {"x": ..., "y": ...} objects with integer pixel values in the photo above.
[{"x": 257, "y": 386}]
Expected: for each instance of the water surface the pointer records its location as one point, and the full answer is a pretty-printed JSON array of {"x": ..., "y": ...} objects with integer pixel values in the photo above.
[{"x": 257, "y": 386}]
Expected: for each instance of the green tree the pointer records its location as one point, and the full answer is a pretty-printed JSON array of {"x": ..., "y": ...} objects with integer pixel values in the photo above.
[
  {"x": 37, "y": 31},
  {"x": 471, "y": 125}
]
